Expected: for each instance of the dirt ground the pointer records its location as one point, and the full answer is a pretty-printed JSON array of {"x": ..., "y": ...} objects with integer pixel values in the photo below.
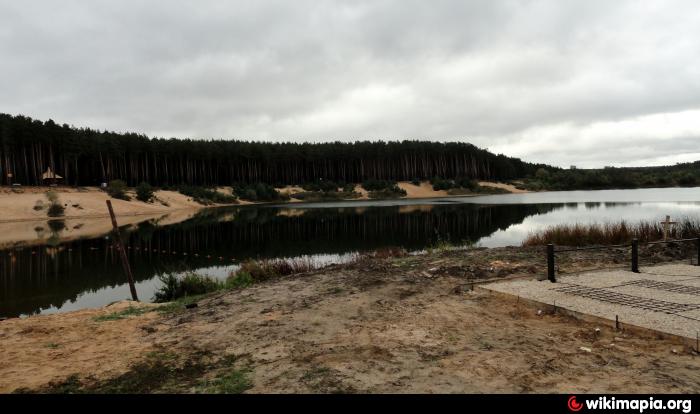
[{"x": 380, "y": 325}]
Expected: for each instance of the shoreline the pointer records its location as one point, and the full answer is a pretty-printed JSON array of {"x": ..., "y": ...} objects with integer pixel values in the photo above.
[{"x": 25, "y": 223}]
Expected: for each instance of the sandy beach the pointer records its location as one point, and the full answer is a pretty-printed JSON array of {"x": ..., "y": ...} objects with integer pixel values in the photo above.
[{"x": 24, "y": 220}]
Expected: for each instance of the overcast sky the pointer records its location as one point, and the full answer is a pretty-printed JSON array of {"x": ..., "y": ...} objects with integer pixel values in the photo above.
[{"x": 589, "y": 83}]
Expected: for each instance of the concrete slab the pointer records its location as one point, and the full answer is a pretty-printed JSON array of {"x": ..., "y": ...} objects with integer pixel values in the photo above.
[{"x": 664, "y": 298}]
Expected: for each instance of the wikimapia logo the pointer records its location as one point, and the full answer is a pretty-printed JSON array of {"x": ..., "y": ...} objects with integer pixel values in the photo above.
[
  {"x": 638, "y": 405},
  {"x": 574, "y": 406}
]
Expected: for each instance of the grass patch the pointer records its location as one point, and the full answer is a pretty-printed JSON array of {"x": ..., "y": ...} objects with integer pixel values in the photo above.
[
  {"x": 162, "y": 372},
  {"x": 267, "y": 269},
  {"x": 180, "y": 304},
  {"x": 115, "y": 316},
  {"x": 611, "y": 233},
  {"x": 232, "y": 381},
  {"x": 191, "y": 284},
  {"x": 239, "y": 280}
]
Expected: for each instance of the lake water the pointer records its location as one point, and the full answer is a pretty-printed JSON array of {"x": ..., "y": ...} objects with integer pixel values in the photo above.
[{"x": 87, "y": 273}]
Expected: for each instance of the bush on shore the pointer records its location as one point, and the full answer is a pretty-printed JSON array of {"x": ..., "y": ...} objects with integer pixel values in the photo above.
[
  {"x": 383, "y": 189},
  {"x": 206, "y": 196},
  {"x": 191, "y": 284},
  {"x": 144, "y": 192},
  {"x": 464, "y": 185},
  {"x": 117, "y": 189},
  {"x": 258, "y": 192}
]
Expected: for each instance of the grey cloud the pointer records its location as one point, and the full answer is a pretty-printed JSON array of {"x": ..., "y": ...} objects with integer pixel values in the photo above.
[{"x": 483, "y": 71}]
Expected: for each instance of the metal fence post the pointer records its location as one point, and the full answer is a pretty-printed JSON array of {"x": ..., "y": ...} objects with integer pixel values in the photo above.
[
  {"x": 635, "y": 255},
  {"x": 550, "y": 263},
  {"x": 698, "y": 244}
]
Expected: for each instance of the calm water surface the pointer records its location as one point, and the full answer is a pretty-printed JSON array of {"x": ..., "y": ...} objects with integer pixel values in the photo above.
[{"x": 54, "y": 277}]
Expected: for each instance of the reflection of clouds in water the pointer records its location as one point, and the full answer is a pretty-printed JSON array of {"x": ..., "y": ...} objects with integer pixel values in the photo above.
[
  {"x": 657, "y": 195},
  {"x": 101, "y": 297},
  {"x": 147, "y": 288},
  {"x": 583, "y": 214}
]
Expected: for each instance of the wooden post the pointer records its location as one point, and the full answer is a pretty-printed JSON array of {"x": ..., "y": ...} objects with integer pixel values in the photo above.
[
  {"x": 550, "y": 263},
  {"x": 635, "y": 255},
  {"x": 122, "y": 252}
]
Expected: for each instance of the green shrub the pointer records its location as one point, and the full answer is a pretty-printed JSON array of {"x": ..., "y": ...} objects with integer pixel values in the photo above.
[
  {"x": 325, "y": 196},
  {"x": 395, "y": 192},
  {"x": 117, "y": 189},
  {"x": 440, "y": 184},
  {"x": 378, "y": 185},
  {"x": 322, "y": 185},
  {"x": 239, "y": 280},
  {"x": 144, "y": 192},
  {"x": 259, "y": 192},
  {"x": 383, "y": 189},
  {"x": 206, "y": 196},
  {"x": 190, "y": 284}
]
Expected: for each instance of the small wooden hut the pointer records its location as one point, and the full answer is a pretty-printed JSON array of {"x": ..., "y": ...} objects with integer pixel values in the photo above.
[{"x": 51, "y": 178}]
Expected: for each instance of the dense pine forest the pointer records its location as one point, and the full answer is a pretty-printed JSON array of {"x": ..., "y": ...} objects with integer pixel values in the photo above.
[{"x": 83, "y": 156}]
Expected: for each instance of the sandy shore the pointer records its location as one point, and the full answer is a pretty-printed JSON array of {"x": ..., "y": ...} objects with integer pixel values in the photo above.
[
  {"x": 86, "y": 214},
  {"x": 380, "y": 324},
  {"x": 24, "y": 220}
]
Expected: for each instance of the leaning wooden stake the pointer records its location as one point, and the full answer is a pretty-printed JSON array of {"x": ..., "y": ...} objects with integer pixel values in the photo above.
[{"x": 122, "y": 252}]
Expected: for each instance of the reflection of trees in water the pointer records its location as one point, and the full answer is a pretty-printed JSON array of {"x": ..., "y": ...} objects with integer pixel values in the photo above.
[{"x": 39, "y": 277}]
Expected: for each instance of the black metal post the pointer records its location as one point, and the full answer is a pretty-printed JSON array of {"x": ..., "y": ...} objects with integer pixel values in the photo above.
[
  {"x": 635, "y": 255},
  {"x": 698, "y": 244},
  {"x": 550, "y": 263}
]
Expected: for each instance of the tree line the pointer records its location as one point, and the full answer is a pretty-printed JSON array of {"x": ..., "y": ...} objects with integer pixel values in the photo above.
[
  {"x": 84, "y": 156},
  {"x": 679, "y": 175}
]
